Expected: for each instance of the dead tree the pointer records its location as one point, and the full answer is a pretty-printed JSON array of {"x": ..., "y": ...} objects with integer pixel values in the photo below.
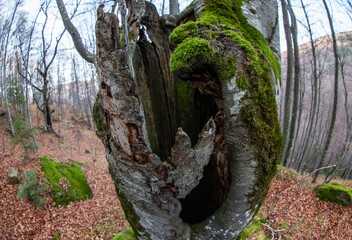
[
  {"x": 188, "y": 115},
  {"x": 47, "y": 57}
]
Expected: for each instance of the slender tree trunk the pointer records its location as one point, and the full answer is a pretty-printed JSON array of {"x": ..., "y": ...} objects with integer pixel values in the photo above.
[
  {"x": 348, "y": 170},
  {"x": 313, "y": 111},
  {"x": 27, "y": 102},
  {"x": 296, "y": 81},
  {"x": 77, "y": 88},
  {"x": 89, "y": 105},
  {"x": 48, "y": 122},
  {"x": 336, "y": 91},
  {"x": 348, "y": 137},
  {"x": 289, "y": 79},
  {"x": 174, "y": 8},
  {"x": 5, "y": 66},
  {"x": 163, "y": 8}
]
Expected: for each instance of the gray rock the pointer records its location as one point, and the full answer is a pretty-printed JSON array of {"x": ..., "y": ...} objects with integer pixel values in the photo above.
[{"x": 13, "y": 176}]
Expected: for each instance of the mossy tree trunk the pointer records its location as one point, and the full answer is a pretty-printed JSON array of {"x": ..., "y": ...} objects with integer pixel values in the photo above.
[{"x": 188, "y": 115}]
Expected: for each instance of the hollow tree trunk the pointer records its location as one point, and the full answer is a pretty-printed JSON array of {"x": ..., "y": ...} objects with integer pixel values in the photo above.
[{"x": 189, "y": 121}]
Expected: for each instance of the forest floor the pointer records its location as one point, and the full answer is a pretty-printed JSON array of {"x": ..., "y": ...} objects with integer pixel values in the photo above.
[{"x": 291, "y": 209}]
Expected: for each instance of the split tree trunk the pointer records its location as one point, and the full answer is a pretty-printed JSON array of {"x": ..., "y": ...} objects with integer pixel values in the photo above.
[{"x": 214, "y": 172}]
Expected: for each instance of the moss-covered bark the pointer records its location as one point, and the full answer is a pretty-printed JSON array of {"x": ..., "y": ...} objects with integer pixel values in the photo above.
[{"x": 223, "y": 69}]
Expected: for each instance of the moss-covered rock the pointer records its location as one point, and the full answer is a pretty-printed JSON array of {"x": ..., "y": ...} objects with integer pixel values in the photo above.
[
  {"x": 127, "y": 234},
  {"x": 67, "y": 181},
  {"x": 284, "y": 173},
  {"x": 335, "y": 192}
]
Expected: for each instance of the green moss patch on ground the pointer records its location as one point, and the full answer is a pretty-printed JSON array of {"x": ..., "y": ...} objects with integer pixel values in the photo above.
[
  {"x": 335, "y": 192},
  {"x": 284, "y": 173},
  {"x": 254, "y": 230},
  {"x": 67, "y": 181},
  {"x": 124, "y": 235}
]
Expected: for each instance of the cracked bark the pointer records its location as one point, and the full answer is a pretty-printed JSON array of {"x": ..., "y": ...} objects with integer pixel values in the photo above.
[{"x": 168, "y": 177}]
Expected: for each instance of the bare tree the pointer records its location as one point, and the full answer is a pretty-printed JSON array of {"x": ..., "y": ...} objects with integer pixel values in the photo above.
[
  {"x": 4, "y": 64},
  {"x": 27, "y": 78},
  {"x": 46, "y": 61},
  {"x": 296, "y": 83},
  {"x": 289, "y": 78},
  {"x": 336, "y": 92},
  {"x": 313, "y": 110}
]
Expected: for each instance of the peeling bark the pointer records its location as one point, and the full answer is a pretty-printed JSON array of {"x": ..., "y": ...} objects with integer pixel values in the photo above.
[{"x": 166, "y": 169}]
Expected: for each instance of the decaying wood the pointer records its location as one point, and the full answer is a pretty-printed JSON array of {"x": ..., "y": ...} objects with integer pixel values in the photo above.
[
  {"x": 156, "y": 169},
  {"x": 149, "y": 185}
]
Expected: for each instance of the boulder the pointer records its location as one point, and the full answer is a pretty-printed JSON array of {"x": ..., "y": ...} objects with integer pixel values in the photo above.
[
  {"x": 13, "y": 176},
  {"x": 335, "y": 192},
  {"x": 67, "y": 181}
]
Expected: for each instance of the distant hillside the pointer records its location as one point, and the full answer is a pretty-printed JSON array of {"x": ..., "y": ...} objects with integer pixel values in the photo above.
[{"x": 326, "y": 70}]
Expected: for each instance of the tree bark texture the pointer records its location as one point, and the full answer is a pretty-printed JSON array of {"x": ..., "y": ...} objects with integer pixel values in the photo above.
[{"x": 189, "y": 119}]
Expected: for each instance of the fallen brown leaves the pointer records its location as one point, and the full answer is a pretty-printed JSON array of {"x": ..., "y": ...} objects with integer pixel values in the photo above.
[
  {"x": 292, "y": 205},
  {"x": 98, "y": 218}
]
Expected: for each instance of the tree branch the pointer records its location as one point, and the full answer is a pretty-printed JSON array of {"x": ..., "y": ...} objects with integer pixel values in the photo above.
[
  {"x": 28, "y": 81},
  {"x": 76, "y": 37},
  {"x": 37, "y": 103},
  {"x": 316, "y": 170}
]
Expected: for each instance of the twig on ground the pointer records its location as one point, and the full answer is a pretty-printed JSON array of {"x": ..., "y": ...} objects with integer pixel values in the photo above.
[
  {"x": 273, "y": 231},
  {"x": 316, "y": 170},
  {"x": 305, "y": 176}
]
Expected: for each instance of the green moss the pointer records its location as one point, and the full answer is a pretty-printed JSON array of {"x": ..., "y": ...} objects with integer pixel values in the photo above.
[
  {"x": 224, "y": 20},
  {"x": 286, "y": 173},
  {"x": 189, "y": 52},
  {"x": 76, "y": 187},
  {"x": 57, "y": 235},
  {"x": 229, "y": 13},
  {"x": 98, "y": 117},
  {"x": 127, "y": 234},
  {"x": 189, "y": 29},
  {"x": 335, "y": 192},
  {"x": 254, "y": 229},
  {"x": 227, "y": 68},
  {"x": 185, "y": 101}
]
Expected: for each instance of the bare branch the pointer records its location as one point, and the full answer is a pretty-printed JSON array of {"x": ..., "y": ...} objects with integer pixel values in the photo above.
[
  {"x": 76, "y": 37},
  {"x": 319, "y": 169},
  {"x": 37, "y": 103},
  {"x": 273, "y": 231},
  {"x": 27, "y": 80}
]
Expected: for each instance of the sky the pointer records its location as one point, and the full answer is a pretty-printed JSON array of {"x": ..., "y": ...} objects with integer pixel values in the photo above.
[
  {"x": 319, "y": 20},
  {"x": 314, "y": 7}
]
